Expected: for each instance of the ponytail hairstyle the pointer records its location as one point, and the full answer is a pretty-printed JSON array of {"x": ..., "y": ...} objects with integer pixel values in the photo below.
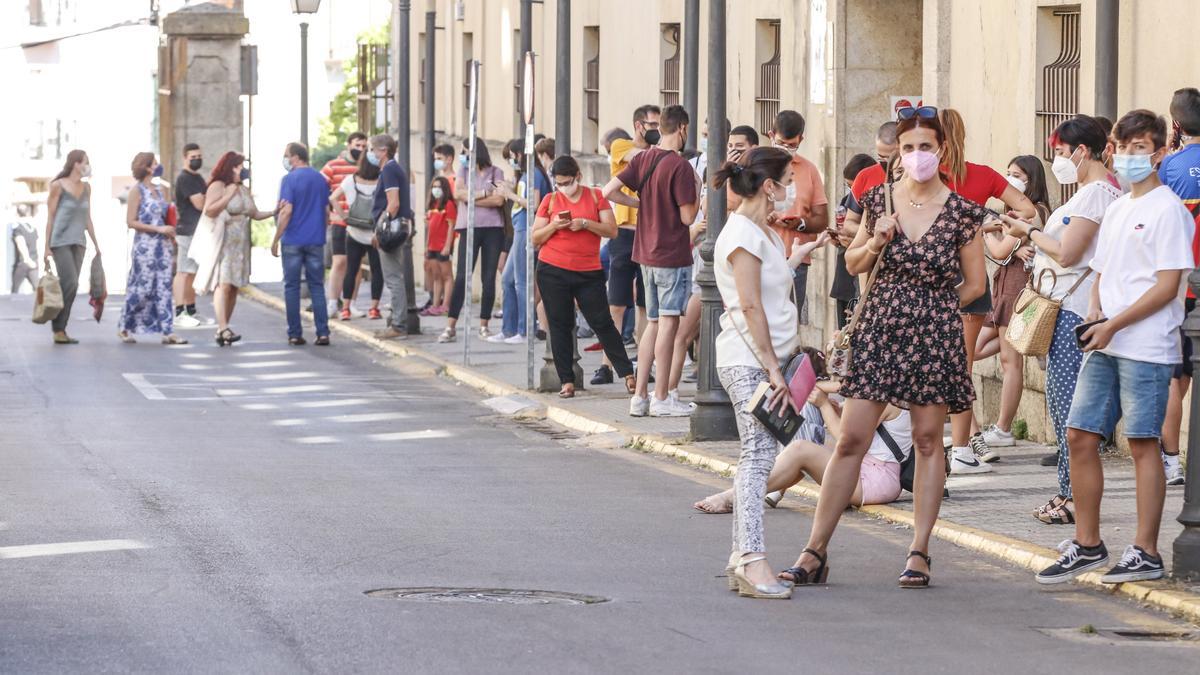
[
  {"x": 758, "y": 165},
  {"x": 954, "y": 148},
  {"x": 73, "y": 157}
]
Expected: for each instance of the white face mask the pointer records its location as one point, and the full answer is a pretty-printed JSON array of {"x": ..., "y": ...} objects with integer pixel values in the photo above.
[
  {"x": 1017, "y": 183},
  {"x": 1065, "y": 170},
  {"x": 85, "y": 171},
  {"x": 789, "y": 199}
]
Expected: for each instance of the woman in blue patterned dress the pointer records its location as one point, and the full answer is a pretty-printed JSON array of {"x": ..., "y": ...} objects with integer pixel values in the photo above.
[{"x": 148, "y": 300}]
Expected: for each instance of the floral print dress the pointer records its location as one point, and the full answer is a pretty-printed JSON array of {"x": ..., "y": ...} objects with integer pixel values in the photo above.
[
  {"x": 908, "y": 348},
  {"x": 149, "y": 305},
  {"x": 234, "y": 268}
]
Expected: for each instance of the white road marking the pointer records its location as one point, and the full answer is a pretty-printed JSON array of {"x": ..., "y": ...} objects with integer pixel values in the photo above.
[
  {"x": 267, "y": 377},
  {"x": 36, "y": 550},
  {"x": 264, "y": 364},
  {"x": 231, "y": 392},
  {"x": 140, "y": 383},
  {"x": 273, "y": 352},
  {"x": 298, "y": 389},
  {"x": 260, "y": 406},
  {"x": 294, "y": 422},
  {"x": 370, "y": 417},
  {"x": 223, "y": 378},
  {"x": 197, "y": 355},
  {"x": 333, "y": 403},
  {"x": 195, "y": 366},
  {"x": 410, "y": 435},
  {"x": 316, "y": 440}
]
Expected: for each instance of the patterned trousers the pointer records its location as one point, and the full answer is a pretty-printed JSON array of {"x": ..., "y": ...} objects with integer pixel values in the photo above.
[
  {"x": 759, "y": 449},
  {"x": 1062, "y": 371}
]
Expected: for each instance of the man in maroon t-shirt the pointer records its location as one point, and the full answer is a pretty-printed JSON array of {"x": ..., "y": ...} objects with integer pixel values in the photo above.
[{"x": 667, "y": 203}]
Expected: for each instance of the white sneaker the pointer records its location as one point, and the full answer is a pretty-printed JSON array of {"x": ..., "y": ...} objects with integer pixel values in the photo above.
[
  {"x": 638, "y": 406},
  {"x": 673, "y": 395},
  {"x": 517, "y": 339},
  {"x": 358, "y": 312},
  {"x": 1173, "y": 469},
  {"x": 995, "y": 438},
  {"x": 669, "y": 407},
  {"x": 186, "y": 320},
  {"x": 498, "y": 338},
  {"x": 331, "y": 308},
  {"x": 964, "y": 461}
]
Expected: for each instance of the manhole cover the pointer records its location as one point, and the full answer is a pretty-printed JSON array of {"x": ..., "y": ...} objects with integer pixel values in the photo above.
[{"x": 506, "y": 596}]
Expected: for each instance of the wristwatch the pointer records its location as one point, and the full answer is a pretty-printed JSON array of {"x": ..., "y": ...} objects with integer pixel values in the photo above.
[{"x": 801, "y": 226}]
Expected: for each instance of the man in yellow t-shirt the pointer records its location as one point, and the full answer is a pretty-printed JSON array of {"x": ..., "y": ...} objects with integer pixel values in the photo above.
[{"x": 625, "y": 289}]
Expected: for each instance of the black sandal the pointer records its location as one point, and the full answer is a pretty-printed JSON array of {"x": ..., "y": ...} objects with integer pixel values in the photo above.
[
  {"x": 227, "y": 337},
  {"x": 1056, "y": 512},
  {"x": 802, "y": 577},
  {"x": 913, "y": 579},
  {"x": 297, "y": 342},
  {"x": 322, "y": 341}
]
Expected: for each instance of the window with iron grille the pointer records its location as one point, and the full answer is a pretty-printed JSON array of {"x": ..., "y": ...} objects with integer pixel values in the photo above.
[
  {"x": 518, "y": 72},
  {"x": 669, "y": 48},
  {"x": 1059, "y": 91},
  {"x": 421, "y": 66},
  {"x": 468, "y": 57},
  {"x": 767, "y": 88}
]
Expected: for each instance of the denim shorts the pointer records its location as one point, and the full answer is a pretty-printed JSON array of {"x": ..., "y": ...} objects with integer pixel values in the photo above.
[
  {"x": 667, "y": 290},
  {"x": 1110, "y": 388}
]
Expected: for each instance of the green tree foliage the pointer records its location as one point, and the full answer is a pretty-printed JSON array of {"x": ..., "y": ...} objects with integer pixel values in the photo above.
[{"x": 343, "y": 109}]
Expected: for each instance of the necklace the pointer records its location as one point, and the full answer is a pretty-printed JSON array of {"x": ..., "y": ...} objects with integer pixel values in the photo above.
[{"x": 916, "y": 205}]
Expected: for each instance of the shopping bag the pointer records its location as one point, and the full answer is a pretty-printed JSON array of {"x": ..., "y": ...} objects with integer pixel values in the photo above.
[
  {"x": 48, "y": 300},
  {"x": 98, "y": 289}
]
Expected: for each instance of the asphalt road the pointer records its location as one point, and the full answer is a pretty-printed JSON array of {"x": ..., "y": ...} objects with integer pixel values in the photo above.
[{"x": 254, "y": 494}]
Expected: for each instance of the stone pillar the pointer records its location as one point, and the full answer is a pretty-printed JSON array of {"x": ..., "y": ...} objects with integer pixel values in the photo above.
[{"x": 200, "y": 82}]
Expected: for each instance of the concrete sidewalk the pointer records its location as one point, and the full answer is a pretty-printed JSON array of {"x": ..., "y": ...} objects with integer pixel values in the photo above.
[{"x": 991, "y": 513}]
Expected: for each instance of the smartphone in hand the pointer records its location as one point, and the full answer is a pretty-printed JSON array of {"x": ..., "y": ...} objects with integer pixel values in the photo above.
[
  {"x": 563, "y": 215},
  {"x": 1083, "y": 328}
]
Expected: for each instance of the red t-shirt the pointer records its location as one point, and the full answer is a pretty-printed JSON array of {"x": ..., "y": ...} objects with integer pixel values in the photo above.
[
  {"x": 870, "y": 177},
  {"x": 575, "y": 251},
  {"x": 440, "y": 222},
  {"x": 662, "y": 238},
  {"x": 981, "y": 183},
  {"x": 335, "y": 171}
]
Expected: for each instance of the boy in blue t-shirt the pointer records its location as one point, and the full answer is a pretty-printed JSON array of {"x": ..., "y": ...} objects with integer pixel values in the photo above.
[
  {"x": 301, "y": 222},
  {"x": 1180, "y": 171}
]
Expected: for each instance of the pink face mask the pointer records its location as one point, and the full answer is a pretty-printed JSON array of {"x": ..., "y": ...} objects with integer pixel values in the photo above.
[{"x": 919, "y": 164}]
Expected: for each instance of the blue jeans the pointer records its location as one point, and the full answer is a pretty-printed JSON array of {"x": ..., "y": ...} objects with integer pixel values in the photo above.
[
  {"x": 1112, "y": 388},
  {"x": 667, "y": 290},
  {"x": 310, "y": 259},
  {"x": 514, "y": 283}
]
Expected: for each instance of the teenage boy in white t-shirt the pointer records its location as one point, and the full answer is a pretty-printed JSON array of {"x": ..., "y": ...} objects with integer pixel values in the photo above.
[{"x": 1142, "y": 256}]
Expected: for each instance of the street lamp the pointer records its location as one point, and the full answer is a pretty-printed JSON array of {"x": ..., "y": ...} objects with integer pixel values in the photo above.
[
  {"x": 301, "y": 7},
  {"x": 1186, "y": 563}
]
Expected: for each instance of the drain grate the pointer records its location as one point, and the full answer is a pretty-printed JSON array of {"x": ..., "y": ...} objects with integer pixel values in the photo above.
[
  {"x": 504, "y": 596},
  {"x": 1166, "y": 636},
  {"x": 1150, "y": 635}
]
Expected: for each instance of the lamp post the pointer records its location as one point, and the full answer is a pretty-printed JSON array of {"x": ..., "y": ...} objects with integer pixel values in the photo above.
[
  {"x": 300, "y": 8},
  {"x": 1186, "y": 550},
  {"x": 691, "y": 66},
  {"x": 402, "y": 50},
  {"x": 713, "y": 419}
]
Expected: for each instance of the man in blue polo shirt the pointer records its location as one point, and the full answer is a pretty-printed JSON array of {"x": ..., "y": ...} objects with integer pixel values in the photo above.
[{"x": 301, "y": 222}]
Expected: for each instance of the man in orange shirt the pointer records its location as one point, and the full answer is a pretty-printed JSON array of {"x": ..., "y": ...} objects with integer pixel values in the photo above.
[
  {"x": 805, "y": 211},
  {"x": 872, "y": 176},
  {"x": 335, "y": 170}
]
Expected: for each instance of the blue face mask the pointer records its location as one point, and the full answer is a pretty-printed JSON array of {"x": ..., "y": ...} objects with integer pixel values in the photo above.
[
  {"x": 373, "y": 159},
  {"x": 439, "y": 165},
  {"x": 462, "y": 161},
  {"x": 245, "y": 174},
  {"x": 287, "y": 165},
  {"x": 158, "y": 171},
  {"x": 1133, "y": 168}
]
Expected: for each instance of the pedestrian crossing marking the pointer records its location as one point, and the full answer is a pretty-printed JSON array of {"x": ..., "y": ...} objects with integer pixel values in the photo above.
[{"x": 63, "y": 548}]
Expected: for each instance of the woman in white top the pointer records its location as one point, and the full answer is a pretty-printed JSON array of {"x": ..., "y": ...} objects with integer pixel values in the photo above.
[
  {"x": 1066, "y": 247},
  {"x": 360, "y": 235},
  {"x": 758, "y": 333}
]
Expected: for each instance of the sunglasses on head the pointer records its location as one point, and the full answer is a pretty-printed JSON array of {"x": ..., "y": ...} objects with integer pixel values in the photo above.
[{"x": 926, "y": 112}]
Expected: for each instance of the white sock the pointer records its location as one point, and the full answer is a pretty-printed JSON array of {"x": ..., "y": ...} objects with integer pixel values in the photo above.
[
  {"x": 1171, "y": 460},
  {"x": 963, "y": 453}
]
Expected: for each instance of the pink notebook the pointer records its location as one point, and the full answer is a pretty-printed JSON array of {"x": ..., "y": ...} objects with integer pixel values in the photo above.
[{"x": 801, "y": 379}]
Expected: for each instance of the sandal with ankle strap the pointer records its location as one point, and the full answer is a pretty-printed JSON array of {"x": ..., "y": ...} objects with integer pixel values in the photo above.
[
  {"x": 914, "y": 579},
  {"x": 803, "y": 577}
]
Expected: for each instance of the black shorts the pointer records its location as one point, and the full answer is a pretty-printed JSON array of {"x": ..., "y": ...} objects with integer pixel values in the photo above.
[
  {"x": 436, "y": 255},
  {"x": 981, "y": 306},
  {"x": 1185, "y": 368},
  {"x": 625, "y": 286},
  {"x": 337, "y": 240}
]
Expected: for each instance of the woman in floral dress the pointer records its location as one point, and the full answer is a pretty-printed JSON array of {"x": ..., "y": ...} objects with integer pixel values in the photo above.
[
  {"x": 148, "y": 301},
  {"x": 908, "y": 347}
]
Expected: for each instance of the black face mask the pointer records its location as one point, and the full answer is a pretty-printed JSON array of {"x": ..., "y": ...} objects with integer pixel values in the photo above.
[
  {"x": 355, "y": 154},
  {"x": 195, "y": 164},
  {"x": 652, "y": 136},
  {"x": 245, "y": 174}
]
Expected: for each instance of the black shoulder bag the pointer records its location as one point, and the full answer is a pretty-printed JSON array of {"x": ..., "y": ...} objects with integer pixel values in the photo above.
[{"x": 907, "y": 465}]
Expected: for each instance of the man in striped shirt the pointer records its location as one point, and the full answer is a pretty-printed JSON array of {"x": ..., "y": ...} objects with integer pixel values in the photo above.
[{"x": 335, "y": 170}]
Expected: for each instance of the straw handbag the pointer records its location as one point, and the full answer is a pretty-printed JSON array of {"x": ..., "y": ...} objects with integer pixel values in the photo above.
[{"x": 1031, "y": 328}]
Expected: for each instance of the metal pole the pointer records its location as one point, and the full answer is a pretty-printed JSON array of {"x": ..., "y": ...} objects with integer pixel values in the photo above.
[
  {"x": 562, "y": 81},
  {"x": 430, "y": 92},
  {"x": 1186, "y": 550},
  {"x": 530, "y": 281},
  {"x": 304, "y": 82},
  {"x": 691, "y": 66},
  {"x": 412, "y": 321},
  {"x": 526, "y": 47},
  {"x": 1107, "y": 46},
  {"x": 470, "y": 242},
  {"x": 713, "y": 419}
]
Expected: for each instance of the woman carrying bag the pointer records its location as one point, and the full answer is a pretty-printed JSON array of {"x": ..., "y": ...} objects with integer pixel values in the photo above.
[
  {"x": 567, "y": 231},
  {"x": 906, "y": 340},
  {"x": 68, "y": 218}
]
